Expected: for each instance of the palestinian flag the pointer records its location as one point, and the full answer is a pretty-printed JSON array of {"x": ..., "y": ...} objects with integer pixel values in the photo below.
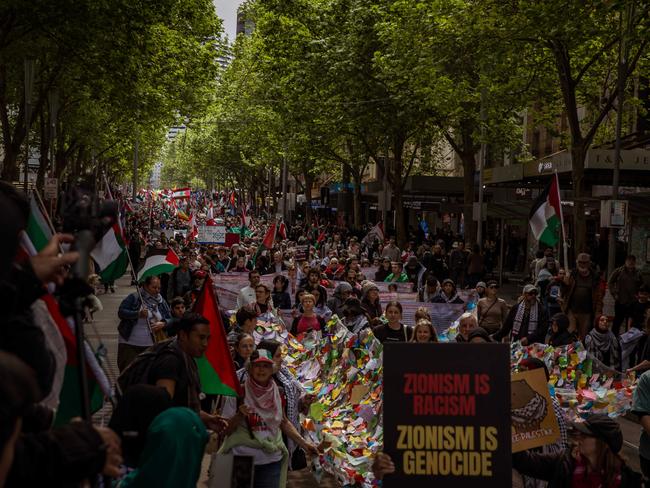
[
  {"x": 267, "y": 243},
  {"x": 282, "y": 231},
  {"x": 110, "y": 254},
  {"x": 181, "y": 193},
  {"x": 38, "y": 231},
  {"x": 48, "y": 315},
  {"x": 157, "y": 262},
  {"x": 546, "y": 215},
  {"x": 216, "y": 368}
]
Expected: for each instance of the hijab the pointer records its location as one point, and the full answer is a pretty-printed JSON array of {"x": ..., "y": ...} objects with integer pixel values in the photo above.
[{"x": 173, "y": 453}]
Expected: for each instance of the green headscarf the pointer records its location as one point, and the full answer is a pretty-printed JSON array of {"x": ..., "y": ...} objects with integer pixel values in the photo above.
[{"x": 173, "y": 453}]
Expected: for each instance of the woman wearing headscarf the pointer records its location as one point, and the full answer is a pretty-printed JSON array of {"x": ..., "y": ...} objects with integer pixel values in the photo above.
[
  {"x": 173, "y": 452},
  {"x": 355, "y": 318},
  {"x": 370, "y": 302},
  {"x": 133, "y": 415},
  {"x": 559, "y": 334},
  {"x": 603, "y": 344},
  {"x": 256, "y": 430}
]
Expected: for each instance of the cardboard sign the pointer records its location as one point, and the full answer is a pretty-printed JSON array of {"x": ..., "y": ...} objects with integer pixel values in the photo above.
[
  {"x": 534, "y": 423},
  {"x": 212, "y": 234},
  {"x": 444, "y": 415}
]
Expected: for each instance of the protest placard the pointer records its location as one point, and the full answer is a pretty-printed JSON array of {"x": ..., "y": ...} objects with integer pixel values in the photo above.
[
  {"x": 444, "y": 415},
  {"x": 212, "y": 234},
  {"x": 534, "y": 423}
]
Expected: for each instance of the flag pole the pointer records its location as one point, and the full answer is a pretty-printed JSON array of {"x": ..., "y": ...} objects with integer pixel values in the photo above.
[
  {"x": 46, "y": 215},
  {"x": 564, "y": 244}
]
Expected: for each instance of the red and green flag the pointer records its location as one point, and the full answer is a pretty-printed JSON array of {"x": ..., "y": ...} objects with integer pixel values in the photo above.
[
  {"x": 216, "y": 367},
  {"x": 157, "y": 262},
  {"x": 546, "y": 215},
  {"x": 110, "y": 254},
  {"x": 37, "y": 230},
  {"x": 267, "y": 243}
]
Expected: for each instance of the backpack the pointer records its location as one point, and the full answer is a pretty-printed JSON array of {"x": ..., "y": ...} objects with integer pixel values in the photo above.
[{"x": 137, "y": 373}]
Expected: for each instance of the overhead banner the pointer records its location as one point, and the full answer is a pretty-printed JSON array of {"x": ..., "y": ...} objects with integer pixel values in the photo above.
[
  {"x": 445, "y": 421},
  {"x": 534, "y": 423},
  {"x": 212, "y": 234}
]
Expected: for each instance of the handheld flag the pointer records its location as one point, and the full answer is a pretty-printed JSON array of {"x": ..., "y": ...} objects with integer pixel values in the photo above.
[
  {"x": 157, "y": 262},
  {"x": 267, "y": 243},
  {"x": 546, "y": 215},
  {"x": 110, "y": 254},
  {"x": 216, "y": 368},
  {"x": 181, "y": 193},
  {"x": 282, "y": 230}
]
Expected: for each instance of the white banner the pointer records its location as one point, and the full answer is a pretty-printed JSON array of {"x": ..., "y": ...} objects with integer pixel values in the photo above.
[{"x": 212, "y": 234}]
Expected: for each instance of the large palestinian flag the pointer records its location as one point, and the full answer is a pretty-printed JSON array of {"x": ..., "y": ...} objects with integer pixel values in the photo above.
[
  {"x": 157, "y": 262},
  {"x": 110, "y": 254},
  {"x": 546, "y": 215},
  {"x": 216, "y": 368}
]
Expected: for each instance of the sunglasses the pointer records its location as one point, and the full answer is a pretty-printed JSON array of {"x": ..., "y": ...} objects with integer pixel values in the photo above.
[{"x": 494, "y": 287}]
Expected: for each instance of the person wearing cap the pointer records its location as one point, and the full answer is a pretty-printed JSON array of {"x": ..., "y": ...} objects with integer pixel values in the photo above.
[
  {"x": 256, "y": 429},
  {"x": 559, "y": 334},
  {"x": 448, "y": 293},
  {"x": 583, "y": 297},
  {"x": 491, "y": 310},
  {"x": 342, "y": 291},
  {"x": 480, "y": 289},
  {"x": 415, "y": 272},
  {"x": 595, "y": 462},
  {"x": 198, "y": 278},
  {"x": 371, "y": 303},
  {"x": 527, "y": 321}
]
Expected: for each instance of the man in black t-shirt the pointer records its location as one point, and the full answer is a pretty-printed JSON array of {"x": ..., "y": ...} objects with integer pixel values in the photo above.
[{"x": 176, "y": 369}]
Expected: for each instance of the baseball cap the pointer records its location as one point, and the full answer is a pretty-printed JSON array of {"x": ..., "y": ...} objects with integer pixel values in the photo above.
[
  {"x": 602, "y": 427},
  {"x": 530, "y": 288},
  {"x": 481, "y": 284},
  {"x": 262, "y": 356}
]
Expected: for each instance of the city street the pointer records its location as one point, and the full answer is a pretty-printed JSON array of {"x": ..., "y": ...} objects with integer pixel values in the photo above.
[{"x": 105, "y": 330}]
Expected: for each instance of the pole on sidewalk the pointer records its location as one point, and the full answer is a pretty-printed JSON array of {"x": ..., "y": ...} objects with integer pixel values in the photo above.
[
  {"x": 29, "y": 85},
  {"x": 501, "y": 246},
  {"x": 622, "y": 78}
]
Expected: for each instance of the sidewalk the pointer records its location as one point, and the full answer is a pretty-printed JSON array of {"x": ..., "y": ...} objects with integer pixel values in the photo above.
[{"x": 104, "y": 331}]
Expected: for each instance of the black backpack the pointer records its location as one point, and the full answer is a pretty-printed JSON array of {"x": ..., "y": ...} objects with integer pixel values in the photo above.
[{"x": 137, "y": 373}]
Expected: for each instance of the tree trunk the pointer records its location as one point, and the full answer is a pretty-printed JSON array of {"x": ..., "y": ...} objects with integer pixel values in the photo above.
[
  {"x": 45, "y": 151},
  {"x": 469, "y": 167},
  {"x": 309, "y": 181},
  {"x": 578, "y": 156},
  {"x": 357, "y": 200},
  {"x": 398, "y": 191}
]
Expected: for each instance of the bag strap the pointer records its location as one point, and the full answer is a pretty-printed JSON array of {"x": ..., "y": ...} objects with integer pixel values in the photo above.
[{"x": 486, "y": 312}]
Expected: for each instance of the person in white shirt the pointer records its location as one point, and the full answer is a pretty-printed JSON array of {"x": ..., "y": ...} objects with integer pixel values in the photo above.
[{"x": 247, "y": 294}]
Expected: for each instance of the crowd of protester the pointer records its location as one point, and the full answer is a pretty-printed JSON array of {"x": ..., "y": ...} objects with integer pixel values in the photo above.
[{"x": 318, "y": 272}]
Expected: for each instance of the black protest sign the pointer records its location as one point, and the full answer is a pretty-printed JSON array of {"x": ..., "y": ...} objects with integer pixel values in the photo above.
[{"x": 447, "y": 414}]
